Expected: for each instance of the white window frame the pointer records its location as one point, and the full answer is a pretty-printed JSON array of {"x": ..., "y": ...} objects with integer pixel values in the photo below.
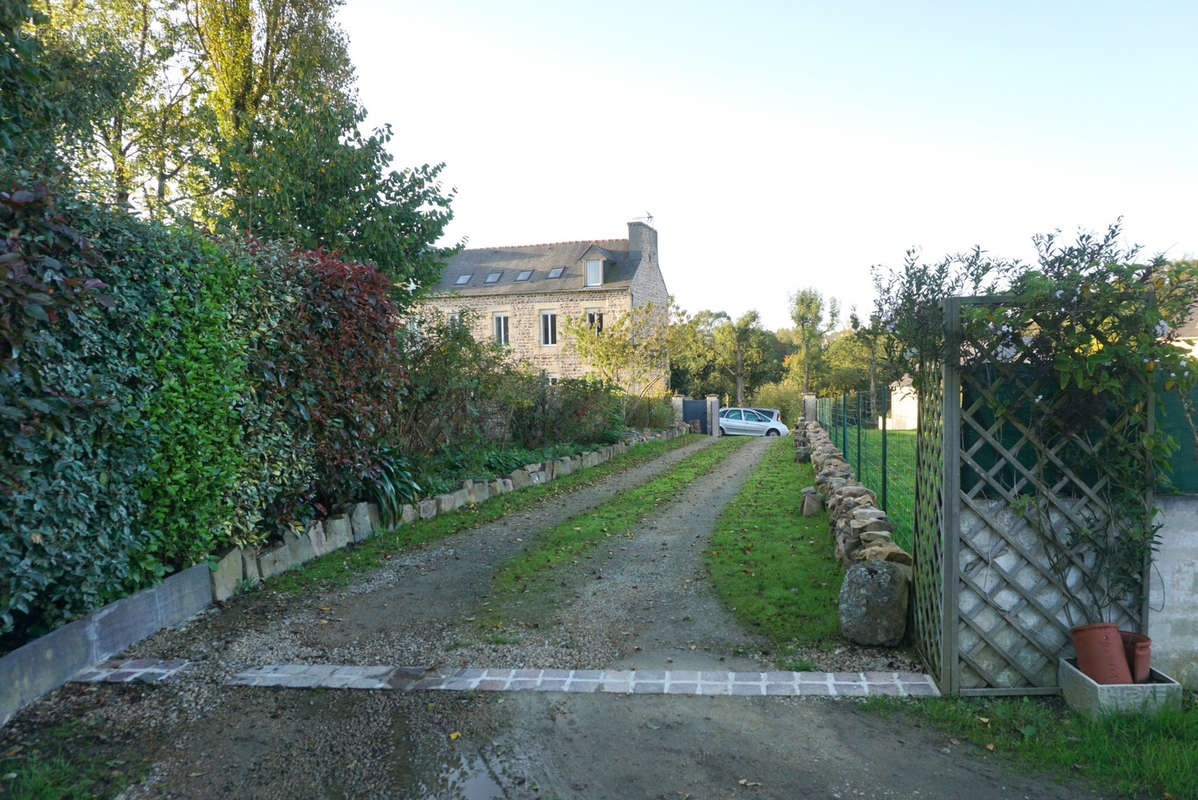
[
  {"x": 501, "y": 336},
  {"x": 524, "y": 274},
  {"x": 595, "y": 279},
  {"x": 595, "y": 318},
  {"x": 557, "y": 272},
  {"x": 548, "y": 328},
  {"x": 463, "y": 279},
  {"x": 493, "y": 277}
]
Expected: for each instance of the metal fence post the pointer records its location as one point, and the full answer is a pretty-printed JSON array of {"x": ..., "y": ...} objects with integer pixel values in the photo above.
[
  {"x": 884, "y": 411},
  {"x": 844, "y": 419},
  {"x": 860, "y": 477}
]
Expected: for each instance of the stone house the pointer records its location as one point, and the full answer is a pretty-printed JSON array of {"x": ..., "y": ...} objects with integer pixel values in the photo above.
[{"x": 521, "y": 296}]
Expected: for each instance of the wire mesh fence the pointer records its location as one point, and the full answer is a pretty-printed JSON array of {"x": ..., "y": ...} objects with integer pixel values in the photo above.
[{"x": 876, "y": 431}]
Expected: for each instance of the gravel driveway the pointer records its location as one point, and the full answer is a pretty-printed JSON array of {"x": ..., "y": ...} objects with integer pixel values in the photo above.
[{"x": 640, "y": 602}]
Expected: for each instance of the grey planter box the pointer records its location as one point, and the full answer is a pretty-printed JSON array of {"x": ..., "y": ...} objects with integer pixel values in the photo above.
[{"x": 1081, "y": 693}]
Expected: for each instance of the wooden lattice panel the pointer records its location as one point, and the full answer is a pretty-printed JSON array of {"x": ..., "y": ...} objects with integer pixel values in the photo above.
[
  {"x": 927, "y": 589},
  {"x": 1009, "y": 613}
]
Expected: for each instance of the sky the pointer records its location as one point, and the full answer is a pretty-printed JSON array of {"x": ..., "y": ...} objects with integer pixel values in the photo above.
[{"x": 781, "y": 146}]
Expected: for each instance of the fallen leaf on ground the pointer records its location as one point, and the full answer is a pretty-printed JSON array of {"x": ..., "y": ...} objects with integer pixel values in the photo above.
[
  {"x": 747, "y": 782},
  {"x": 325, "y": 608},
  {"x": 455, "y": 735},
  {"x": 985, "y": 720},
  {"x": 955, "y": 741},
  {"x": 990, "y": 746}
]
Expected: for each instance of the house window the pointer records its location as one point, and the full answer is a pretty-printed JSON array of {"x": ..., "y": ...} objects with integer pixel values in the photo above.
[
  {"x": 454, "y": 317},
  {"x": 493, "y": 277},
  {"x": 594, "y": 273},
  {"x": 556, "y": 272},
  {"x": 548, "y": 328},
  {"x": 463, "y": 279},
  {"x": 524, "y": 275},
  {"x": 595, "y": 319},
  {"x": 553, "y": 379},
  {"x": 501, "y": 329}
]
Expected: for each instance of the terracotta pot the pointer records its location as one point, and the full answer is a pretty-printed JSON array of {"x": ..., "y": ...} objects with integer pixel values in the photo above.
[
  {"x": 1138, "y": 649},
  {"x": 1100, "y": 653}
]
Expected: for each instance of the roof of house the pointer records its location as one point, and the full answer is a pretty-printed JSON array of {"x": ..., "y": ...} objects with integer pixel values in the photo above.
[{"x": 538, "y": 260}]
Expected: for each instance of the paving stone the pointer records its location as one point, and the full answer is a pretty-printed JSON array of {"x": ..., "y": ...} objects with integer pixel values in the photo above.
[
  {"x": 366, "y": 683},
  {"x": 492, "y": 684},
  {"x": 816, "y": 689},
  {"x": 300, "y": 680},
  {"x": 428, "y": 683},
  {"x": 586, "y": 674},
  {"x": 555, "y": 673},
  {"x": 471, "y": 674},
  {"x": 748, "y": 689},
  {"x": 91, "y": 675},
  {"x": 120, "y": 676},
  {"x": 460, "y": 684},
  {"x": 582, "y": 686},
  {"x": 842, "y": 677},
  {"x": 649, "y": 675},
  {"x": 850, "y": 690},
  {"x": 920, "y": 689},
  {"x": 617, "y": 675},
  {"x": 881, "y": 677},
  {"x": 619, "y": 687},
  {"x": 499, "y": 673},
  {"x": 684, "y": 687},
  {"x": 681, "y": 675},
  {"x": 910, "y": 677},
  {"x": 523, "y": 683},
  {"x": 748, "y": 677},
  {"x": 552, "y": 685},
  {"x": 780, "y": 677},
  {"x": 884, "y": 688},
  {"x": 714, "y": 677},
  {"x": 781, "y": 689},
  {"x": 526, "y": 673},
  {"x": 649, "y": 687},
  {"x": 714, "y": 689}
]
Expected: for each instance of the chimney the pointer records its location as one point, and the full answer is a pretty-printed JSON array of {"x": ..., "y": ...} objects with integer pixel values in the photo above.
[{"x": 643, "y": 238}]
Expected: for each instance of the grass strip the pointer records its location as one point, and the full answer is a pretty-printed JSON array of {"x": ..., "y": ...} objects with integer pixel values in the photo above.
[
  {"x": 1127, "y": 754},
  {"x": 533, "y": 569},
  {"x": 341, "y": 567},
  {"x": 771, "y": 566},
  {"x": 68, "y": 761}
]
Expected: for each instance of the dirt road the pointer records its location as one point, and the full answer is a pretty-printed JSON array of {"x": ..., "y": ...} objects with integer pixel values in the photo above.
[{"x": 642, "y": 603}]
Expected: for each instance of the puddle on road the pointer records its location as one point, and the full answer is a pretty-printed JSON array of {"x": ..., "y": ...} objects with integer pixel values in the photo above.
[{"x": 465, "y": 778}]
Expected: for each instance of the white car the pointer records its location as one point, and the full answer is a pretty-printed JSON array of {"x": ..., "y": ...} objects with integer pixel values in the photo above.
[{"x": 749, "y": 422}]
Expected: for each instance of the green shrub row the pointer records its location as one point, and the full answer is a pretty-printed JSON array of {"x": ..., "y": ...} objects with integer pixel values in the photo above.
[{"x": 164, "y": 395}]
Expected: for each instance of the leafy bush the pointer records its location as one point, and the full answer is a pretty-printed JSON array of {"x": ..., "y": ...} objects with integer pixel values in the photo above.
[
  {"x": 74, "y": 392},
  {"x": 655, "y": 412},
  {"x": 785, "y": 395},
  {"x": 200, "y": 377},
  {"x": 343, "y": 387}
]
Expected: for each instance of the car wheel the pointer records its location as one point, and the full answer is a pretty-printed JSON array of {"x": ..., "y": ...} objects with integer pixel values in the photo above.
[
  {"x": 723, "y": 432},
  {"x": 772, "y": 432}
]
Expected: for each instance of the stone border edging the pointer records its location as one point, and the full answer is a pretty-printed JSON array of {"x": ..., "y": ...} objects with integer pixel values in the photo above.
[
  {"x": 44, "y": 664},
  {"x": 876, "y": 589}
]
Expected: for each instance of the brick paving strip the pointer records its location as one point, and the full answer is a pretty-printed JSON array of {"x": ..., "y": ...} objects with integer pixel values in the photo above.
[{"x": 643, "y": 681}]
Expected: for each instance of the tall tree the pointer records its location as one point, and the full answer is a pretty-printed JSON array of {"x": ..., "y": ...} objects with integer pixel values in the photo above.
[
  {"x": 742, "y": 351},
  {"x": 314, "y": 178},
  {"x": 813, "y": 317}
]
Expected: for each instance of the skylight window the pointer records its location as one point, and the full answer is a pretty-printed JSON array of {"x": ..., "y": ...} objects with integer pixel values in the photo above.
[
  {"x": 463, "y": 279},
  {"x": 556, "y": 272},
  {"x": 524, "y": 275},
  {"x": 493, "y": 277}
]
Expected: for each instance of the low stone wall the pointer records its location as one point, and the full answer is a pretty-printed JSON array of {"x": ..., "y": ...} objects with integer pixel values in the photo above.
[
  {"x": 50, "y": 661},
  {"x": 876, "y": 587}
]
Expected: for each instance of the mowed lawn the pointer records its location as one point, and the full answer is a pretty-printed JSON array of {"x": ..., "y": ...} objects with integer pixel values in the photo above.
[{"x": 772, "y": 566}]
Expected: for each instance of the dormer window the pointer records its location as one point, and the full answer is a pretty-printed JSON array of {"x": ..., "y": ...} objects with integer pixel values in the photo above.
[
  {"x": 493, "y": 277},
  {"x": 594, "y": 273},
  {"x": 556, "y": 272},
  {"x": 524, "y": 275},
  {"x": 463, "y": 279}
]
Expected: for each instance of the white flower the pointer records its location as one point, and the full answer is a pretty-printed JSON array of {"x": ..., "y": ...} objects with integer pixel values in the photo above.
[{"x": 1162, "y": 328}]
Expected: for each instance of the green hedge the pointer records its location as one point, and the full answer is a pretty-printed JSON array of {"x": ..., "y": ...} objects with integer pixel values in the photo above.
[{"x": 164, "y": 395}]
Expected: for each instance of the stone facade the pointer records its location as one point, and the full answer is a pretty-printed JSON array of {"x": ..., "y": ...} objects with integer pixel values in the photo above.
[{"x": 630, "y": 277}]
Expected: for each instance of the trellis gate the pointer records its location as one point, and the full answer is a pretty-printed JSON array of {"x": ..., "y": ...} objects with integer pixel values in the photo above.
[{"x": 989, "y": 610}]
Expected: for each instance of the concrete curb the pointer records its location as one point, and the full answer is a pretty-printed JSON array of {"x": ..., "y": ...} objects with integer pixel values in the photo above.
[{"x": 50, "y": 661}]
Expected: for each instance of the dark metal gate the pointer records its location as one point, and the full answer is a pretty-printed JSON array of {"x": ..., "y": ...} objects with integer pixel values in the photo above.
[{"x": 695, "y": 409}]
